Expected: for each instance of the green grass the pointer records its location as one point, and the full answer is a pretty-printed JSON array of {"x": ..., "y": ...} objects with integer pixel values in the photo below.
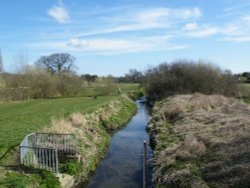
[
  {"x": 244, "y": 89},
  {"x": 39, "y": 178},
  {"x": 97, "y": 90},
  {"x": 21, "y": 118},
  {"x": 128, "y": 87}
]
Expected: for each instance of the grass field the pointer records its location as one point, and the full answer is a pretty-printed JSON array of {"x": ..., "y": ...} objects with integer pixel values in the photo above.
[
  {"x": 96, "y": 89},
  {"x": 244, "y": 89},
  {"x": 20, "y": 118}
]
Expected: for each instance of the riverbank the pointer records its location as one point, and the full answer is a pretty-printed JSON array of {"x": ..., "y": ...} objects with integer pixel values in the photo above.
[
  {"x": 123, "y": 162},
  {"x": 200, "y": 141},
  {"x": 90, "y": 129}
]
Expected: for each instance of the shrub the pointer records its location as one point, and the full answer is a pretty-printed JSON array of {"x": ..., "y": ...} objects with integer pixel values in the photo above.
[
  {"x": 183, "y": 77},
  {"x": 49, "y": 180},
  {"x": 14, "y": 180},
  {"x": 72, "y": 167}
]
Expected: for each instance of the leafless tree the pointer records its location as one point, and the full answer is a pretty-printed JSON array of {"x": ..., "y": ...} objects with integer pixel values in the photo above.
[
  {"x": 21, "y": 61},
  {"x": 57, "y": 63},
  {"x": 1, "y": 62}
]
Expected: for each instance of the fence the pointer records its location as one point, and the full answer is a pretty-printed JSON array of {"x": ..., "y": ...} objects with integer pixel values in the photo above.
[{"x": 46, "y": 150}]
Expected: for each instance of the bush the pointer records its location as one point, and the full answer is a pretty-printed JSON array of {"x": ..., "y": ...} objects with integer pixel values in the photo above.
[
  {"x": 49, "y": 180},
  {"x": 72, "y": 167},
  {"x": 183, "y": 77},
  {"x": 39, "y": 178},
  {"x": 15, "y": 180}
]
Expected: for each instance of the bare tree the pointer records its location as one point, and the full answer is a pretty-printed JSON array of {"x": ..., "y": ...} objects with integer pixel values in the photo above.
[
  {"x": 1, "y": 62},
  {"x": 21, "y": 61},
  {"x": 134, "y": 76},
  {"x": 57, "y": 63}
]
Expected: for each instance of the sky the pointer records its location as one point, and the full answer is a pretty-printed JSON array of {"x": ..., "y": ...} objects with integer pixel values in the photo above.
[{"x": 112, "y": 36}]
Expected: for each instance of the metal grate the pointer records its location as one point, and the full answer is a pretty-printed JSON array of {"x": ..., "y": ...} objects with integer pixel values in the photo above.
[{"x": 46, "y": 150}]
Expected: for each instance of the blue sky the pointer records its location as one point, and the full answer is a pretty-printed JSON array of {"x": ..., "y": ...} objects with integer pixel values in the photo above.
[{"x": 112, "y": 36}]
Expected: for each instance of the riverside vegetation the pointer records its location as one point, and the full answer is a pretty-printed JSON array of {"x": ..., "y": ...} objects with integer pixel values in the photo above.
[
  {"x": 199, "y": 128},
  {"x": 49, "y": 96},
  {"x": 86, "y": 117},
  {"x": 201, "y": 141}
]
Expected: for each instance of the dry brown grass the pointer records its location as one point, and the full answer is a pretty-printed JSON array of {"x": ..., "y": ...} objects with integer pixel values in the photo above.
[
  {"x": 90, "y": 132},
  {"x": 201, "y": 140}
]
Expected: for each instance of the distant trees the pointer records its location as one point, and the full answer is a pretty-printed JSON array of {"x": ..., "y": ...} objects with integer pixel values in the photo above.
[
  {"x": 182, "y": 77},
  {"x": 50, "y": 76},
  {"x": 57, "y": 63},
  {"x": 89, "y": 78},
  {"x": 245, "y": 76},
  {"x": 133, "y": 76}
]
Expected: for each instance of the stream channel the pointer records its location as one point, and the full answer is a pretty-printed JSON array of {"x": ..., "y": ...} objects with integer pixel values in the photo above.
[{"x": 122, "y": 166}]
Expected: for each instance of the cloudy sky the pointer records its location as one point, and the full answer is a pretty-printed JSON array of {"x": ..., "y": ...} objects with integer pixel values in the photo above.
[{"x": 112, "y": 36}]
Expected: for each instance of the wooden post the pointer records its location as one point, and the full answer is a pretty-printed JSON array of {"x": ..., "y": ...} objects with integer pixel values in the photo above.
[{"x": 144, "y": 164}]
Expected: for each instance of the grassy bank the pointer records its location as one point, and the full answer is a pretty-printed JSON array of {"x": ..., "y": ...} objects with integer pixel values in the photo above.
[
  {"x": 201, "y": 141},
  {"x": 21, "y": 118},
  {"x": 91, "y": 130},
  {"x": 87, "y": 118}
]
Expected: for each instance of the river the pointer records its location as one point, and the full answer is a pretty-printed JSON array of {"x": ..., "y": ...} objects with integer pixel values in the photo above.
[{"x": 122, "y": 167}]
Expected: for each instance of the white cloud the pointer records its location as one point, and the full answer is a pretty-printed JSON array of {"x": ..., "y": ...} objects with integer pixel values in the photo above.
[
  {"x": 232, "y": 29},
  {"x": 189, "y": 13},
  {"x": 190, "y": 26},
  {"x": 75, "y": 42},
  {"x": 246, "y": 19},
  {"x": 203, "y": 33},
  {"x": 239, "y": 27},
  {"x": 121, "y": 45},
  {"x": 236, "y": 39},
  {"x": 59, "y": 13},
  {"x": 112, "y": 46},
  {"x": 154, "y": 18},
  {"x": 152, "y": 15},
  {"x": 167, "y": 14}
]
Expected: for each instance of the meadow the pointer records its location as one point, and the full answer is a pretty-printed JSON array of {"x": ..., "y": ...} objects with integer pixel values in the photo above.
[
  {"x": 23, "y": 117},
  {"x": 244, "y": 89}
]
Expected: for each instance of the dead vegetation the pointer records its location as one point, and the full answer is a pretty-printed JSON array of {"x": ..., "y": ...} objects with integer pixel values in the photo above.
[
  {"x": 201, "y": 141},
  {"x": 90, "y": 130}
]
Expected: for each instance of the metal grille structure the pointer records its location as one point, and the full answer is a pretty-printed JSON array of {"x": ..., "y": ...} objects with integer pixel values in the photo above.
[{"x": 46, "y": 150}]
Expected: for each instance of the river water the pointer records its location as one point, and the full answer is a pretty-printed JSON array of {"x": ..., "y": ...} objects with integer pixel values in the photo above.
[{"x": 122, "y": 167}]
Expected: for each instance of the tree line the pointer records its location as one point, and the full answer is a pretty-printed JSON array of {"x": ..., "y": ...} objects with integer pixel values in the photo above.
[
  {"x": 54, "y": 76},
  {"x": 50, "y": 76},
  {"x": 184, "y": 77}
]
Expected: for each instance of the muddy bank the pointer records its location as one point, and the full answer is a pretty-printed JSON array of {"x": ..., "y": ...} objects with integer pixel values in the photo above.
[{"x": 201, "y": 141}]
